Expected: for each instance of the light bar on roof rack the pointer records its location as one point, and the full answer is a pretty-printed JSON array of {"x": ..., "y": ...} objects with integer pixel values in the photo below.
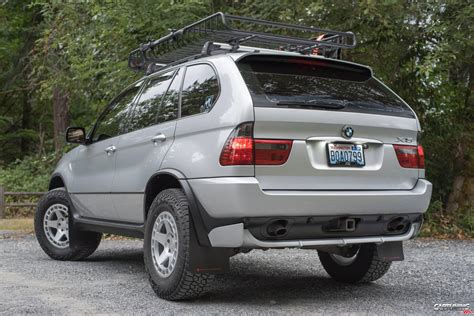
[{"x": 195, "y": 40}]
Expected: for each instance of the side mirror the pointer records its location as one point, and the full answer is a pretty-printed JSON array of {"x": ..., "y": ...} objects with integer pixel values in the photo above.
[{"x": 76, "y": 135}]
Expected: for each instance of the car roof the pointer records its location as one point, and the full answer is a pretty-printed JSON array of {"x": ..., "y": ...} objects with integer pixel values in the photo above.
[{"x": 245, "y": 51}]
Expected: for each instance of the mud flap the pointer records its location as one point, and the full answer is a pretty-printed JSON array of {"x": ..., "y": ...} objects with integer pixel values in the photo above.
[
  {"x": 207, "y": 259},
  {"x": 390, "y": 251},
  {"x": 78, "y": 238}
]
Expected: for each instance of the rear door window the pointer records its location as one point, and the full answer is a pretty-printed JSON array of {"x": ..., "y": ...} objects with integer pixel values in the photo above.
[
  {"x": 200, "y": 90},
  {"x": 169, "y": 106},
  {"x": 305, "y": 83},
  {"x": 147, "y": 108}
]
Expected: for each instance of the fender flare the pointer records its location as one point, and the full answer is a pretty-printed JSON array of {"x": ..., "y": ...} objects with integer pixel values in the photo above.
[
  {"x": 172, "y": 172},
  {"x": 203, "y": 257},
  {"x": 199, "y": 226}
]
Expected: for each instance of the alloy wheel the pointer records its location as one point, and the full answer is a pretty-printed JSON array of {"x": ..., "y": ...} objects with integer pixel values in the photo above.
[
  {"x": 56, "y": 225},
  {"x": 345, "y": 260},
  {"x": 164, "y": 244}
]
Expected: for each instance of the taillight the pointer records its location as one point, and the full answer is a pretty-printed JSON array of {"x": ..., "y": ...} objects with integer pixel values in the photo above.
[
  {"x": 421, "y": 157},
  {"x": 242, "y": 149},
  {"x": 238, "y": 149},
  {"x": 410, "y": 156}
]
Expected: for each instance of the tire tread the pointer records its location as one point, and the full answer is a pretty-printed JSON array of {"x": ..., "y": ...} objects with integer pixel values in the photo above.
[
  {"x": 190, "y": 285},
  {"x": 86, "y": 246},
  {"x": 377, "y": 269},
  {"x": 367, "y": 267}
]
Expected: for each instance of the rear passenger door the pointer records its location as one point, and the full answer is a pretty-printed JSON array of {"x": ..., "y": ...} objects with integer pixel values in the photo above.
[{"x": 140, "y": 151}]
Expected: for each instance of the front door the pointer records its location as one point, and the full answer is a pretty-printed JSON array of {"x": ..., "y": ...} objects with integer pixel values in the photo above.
[
  {"x": 93, "y": 166},
  {"x": 140, "y": 152}
]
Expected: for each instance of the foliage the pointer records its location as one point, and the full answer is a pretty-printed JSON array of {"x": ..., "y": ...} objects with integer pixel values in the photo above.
[
  {"x": 30, "y": 174},
  {"x": 423, "y": 50},
  {"x": 19, "y": 25},
  {"x": 440, "y": 224}
]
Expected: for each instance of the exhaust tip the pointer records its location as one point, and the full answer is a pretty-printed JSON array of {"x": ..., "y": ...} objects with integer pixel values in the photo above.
[
  {"x": 277, "y": 228},
  {"x": 397, "y": 225}
]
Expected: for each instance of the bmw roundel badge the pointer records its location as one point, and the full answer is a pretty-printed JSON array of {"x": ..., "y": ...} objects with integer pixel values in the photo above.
[{"x": 347, "y": 131}]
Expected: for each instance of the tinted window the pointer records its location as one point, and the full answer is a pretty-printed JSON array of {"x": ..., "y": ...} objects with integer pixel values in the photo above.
[
  {"x": 200, "y": 90},
  {"x": 113, "y": 119},
  {"x": 169, "y": 107},
  {"x": 146, "y": 110},
  {"x": 315, "y": 84}
]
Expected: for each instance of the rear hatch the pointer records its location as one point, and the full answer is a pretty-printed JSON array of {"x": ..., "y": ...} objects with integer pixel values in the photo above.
[{"x": 343, "y": 123}]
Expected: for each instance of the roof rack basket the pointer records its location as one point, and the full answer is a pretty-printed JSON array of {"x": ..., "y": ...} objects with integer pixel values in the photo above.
[{"x": 195, "y": 40}]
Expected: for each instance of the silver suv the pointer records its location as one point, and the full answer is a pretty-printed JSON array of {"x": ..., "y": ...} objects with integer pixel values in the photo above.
[{"x": 240, "y": 150}]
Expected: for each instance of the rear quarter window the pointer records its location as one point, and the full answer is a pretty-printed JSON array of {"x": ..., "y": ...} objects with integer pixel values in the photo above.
[
  {"x": 200, "y": 90},
  {"x": 315, "y": 84}
]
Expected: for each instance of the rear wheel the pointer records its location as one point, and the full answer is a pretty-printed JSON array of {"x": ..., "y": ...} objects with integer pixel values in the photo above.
[
  {"x": 361, "y": 264},
  {"x": 167, "y": 248},
  {"x": 54, "y": 231}
]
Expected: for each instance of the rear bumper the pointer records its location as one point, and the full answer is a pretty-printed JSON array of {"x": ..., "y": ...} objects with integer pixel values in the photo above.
[
  {"x": 235, "y": 236},
  {"x": 241, "y": 197}
]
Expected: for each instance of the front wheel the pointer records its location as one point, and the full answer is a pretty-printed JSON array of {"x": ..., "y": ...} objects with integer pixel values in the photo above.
[
  {"x": 167, "y": 248},
  {"x": 53, "y": 229},
  {"x": 359, "y": 265}
]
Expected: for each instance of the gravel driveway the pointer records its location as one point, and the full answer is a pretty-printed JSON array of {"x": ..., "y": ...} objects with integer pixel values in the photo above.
[{"x": 113, "y": 280}]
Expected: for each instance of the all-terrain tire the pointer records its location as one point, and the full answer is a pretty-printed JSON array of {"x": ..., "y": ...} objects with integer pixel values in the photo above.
[
  {"x": 181, "y": 284},
  {"x": 366, "y": 267},
  {"x": 81, "y": 243}
]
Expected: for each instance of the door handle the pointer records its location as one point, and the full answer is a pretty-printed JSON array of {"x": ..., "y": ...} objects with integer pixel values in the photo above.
[
  {"x": 110, "y": 150},
  {"x": 158, "y": 138}
]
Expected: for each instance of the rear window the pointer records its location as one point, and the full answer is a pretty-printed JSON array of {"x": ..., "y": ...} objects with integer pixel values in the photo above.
[{"x": 292, "y": 82}]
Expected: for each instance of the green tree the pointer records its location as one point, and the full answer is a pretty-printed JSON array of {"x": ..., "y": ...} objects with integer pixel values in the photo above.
[{"x": 62, "y": 61}]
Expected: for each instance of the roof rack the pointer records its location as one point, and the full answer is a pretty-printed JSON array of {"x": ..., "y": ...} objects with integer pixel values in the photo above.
[{"x": 197, "y": 40}]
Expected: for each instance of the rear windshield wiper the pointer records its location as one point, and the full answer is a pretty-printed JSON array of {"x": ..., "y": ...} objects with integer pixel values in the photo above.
[{"x": 325, "y": 104}]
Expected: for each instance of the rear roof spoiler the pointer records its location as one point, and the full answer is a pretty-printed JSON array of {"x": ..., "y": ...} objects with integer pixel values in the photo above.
[{"x": 347, "y": 65}]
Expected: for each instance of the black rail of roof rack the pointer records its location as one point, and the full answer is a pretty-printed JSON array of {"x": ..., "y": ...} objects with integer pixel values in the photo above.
[{"x": 188, "y": 41}]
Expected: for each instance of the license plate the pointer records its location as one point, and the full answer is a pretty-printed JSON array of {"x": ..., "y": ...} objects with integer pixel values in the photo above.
[{"x": 345, "y": 155}]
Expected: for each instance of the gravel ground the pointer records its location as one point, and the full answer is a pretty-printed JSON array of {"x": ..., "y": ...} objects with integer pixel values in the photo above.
[{"x": 292, "y": 281}]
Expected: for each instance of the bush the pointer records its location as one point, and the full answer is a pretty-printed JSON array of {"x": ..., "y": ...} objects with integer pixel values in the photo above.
[
  {"x": 31, "y": 174},
  {"x": 440, "y": 224}
]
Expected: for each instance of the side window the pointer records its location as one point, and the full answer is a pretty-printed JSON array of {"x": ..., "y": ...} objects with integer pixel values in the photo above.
[
  {"x": 200, "y": 90},
  {"x": 146, "y": 110},
  {"x": 169, "y": 106},
  {"x": 112, "y": 120}
]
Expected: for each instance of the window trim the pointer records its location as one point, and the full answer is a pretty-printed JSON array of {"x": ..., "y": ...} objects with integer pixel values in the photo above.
[
  {"x": 111, "y": 103},
  {"x": 146, "y": 80},
  {"x": 143, "y": 81},
  {"x": 176, "y": 73},
  {"x": 182, "y": 83}
]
